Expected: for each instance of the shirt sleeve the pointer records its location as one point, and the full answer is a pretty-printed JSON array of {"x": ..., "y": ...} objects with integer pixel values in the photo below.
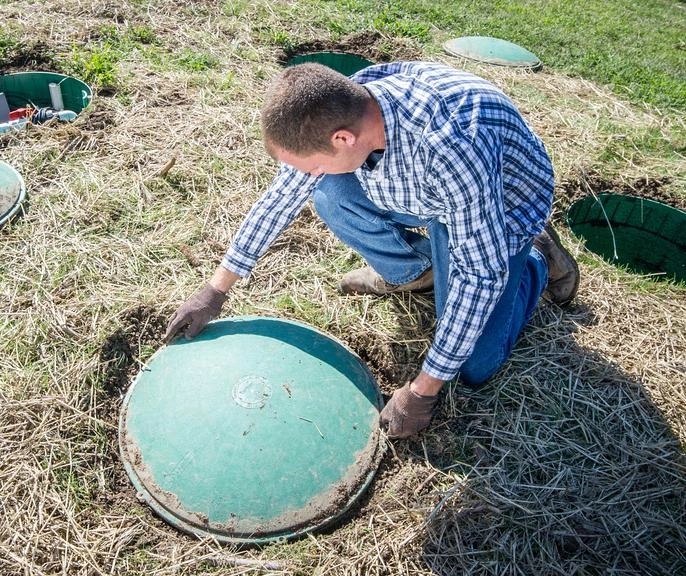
[
  {"x": 468, "y": 177},
  {"x": 267, "y": 218}
]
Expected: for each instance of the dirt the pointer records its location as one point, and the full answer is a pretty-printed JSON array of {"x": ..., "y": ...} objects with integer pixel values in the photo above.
[
  {"x": 193, "y": 260},
  {"x": 120, "y": 357},
  {"x": 369, "y": 44},
  {"x": 568, "y": 191},
  {"x": 394, "y": 362},
  {"x": 35, "y": 56},
  {"x": 388, "y": 361},
  {"x": 98, "y": 116},
  {"x": 113, "y": 11},
  {"x": 120, "y": 353}
]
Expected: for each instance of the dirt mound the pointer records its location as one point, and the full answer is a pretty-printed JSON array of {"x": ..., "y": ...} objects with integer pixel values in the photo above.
[
  {"x": 34, "y": 56},
  {"x": 571, "y": 190},
  {"x": 370, "y": 44},
  {"x": 119, "y": 354}
]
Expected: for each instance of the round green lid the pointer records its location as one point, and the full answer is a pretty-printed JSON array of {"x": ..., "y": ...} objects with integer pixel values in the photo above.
[
  {"x": 492, "y": 51},
  {"x": 342, "y": 62},
  {"x": 258, "y": 429},
  {"x": 646, "y": 236},
  {"x": 12, "y": 191}
]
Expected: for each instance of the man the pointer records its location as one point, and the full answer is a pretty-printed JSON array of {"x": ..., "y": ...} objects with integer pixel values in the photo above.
[{"x": 396, "y": 148}]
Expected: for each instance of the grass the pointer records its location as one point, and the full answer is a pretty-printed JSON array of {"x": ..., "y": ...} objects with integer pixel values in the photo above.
[
  {"x": 570, "y": 461},
  {"x": 637, "y": 48},
  {"x": 197, "y": 61},
  {"x": 7, "y": 44},
  {"x": 635, "y": 145},
  {"x": 98, "y": 67}
]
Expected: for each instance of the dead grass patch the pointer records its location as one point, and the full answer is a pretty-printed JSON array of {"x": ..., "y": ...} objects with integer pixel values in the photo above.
[{"x": 569, "y": 462}]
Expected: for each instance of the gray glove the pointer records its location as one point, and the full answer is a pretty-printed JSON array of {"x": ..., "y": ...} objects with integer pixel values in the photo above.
[
  {"x": 196, "y": 312},
  {"x": 407, "y": 413}
]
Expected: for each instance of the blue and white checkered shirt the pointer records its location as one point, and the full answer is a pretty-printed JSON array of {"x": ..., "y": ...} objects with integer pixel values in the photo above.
[{"x": 456, "y": 149}]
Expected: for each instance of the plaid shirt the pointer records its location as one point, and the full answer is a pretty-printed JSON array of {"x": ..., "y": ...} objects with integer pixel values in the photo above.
[{"x": 457, "y": 150}]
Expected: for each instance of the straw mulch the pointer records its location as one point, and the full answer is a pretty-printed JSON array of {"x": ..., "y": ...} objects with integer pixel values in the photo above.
[{"x": 570, "y": 461}]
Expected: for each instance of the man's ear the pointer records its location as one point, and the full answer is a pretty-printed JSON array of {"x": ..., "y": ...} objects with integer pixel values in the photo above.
[{"x": 343, "y": 139}]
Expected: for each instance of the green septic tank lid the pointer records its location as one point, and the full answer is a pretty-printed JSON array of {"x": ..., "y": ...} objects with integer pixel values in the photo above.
[
  {"x": 648, "y": 237},
  {"x": 12, "y": 192},
  {"x": 22, "y": 88},
  {"x": 258, "y": 429},
  {"x": 492, "y": 51},
  {"x": 342, "y": 62}
]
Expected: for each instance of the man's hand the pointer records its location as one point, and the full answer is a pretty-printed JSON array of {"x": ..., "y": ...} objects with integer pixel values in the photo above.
[
  {"x": 408, "y": 412},
  {"x": 196, "y": 312}
]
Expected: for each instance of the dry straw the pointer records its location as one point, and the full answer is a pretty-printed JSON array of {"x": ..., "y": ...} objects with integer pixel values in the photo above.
[{"x": 570, "y": 461}]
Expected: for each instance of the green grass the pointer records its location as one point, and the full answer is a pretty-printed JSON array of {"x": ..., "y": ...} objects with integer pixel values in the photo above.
[
  {"x": 143, "y": 35},
  {"x": 96, "y": 65},
  {"x": 637, "y": 48},
  {"x": 193, "y": 61},
  {"x": 97, "y": 62},
  {"x": 641, "y": 143},
  {"x": 393, "y": 19},
  {"x": 7, "y": 43}
]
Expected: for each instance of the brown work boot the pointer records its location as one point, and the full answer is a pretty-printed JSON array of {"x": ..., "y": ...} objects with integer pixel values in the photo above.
[
  {"x": 367, "y": 281},
  {"x": 563, "y": 271}
]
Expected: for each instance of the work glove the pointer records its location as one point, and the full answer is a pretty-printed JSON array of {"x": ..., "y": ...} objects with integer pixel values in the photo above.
[
  {"x": 407, "y": 413},
  {"x": 196, "y": 312}
]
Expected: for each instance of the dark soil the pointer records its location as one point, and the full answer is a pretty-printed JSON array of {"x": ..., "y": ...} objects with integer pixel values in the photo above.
[
  {"x": 391, "y": 363},
  {"x": 36, "y": 56},
  {"x": 98, "y": 116},
  {"x": 569, "y": 191},
  {"x": 120, "y": 357},
  {"x": 120, "y": 353},
  {"x": 369, "y": 44}
]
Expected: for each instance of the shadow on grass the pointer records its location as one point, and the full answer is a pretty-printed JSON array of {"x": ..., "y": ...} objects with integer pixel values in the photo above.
[{"x": 563, "y": 466}]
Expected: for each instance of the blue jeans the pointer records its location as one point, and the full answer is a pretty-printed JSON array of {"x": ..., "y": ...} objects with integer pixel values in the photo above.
[{"x": 399, "y": 255}]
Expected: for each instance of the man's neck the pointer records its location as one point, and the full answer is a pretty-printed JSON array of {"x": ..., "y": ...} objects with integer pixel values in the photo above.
[{"x": 373, "y": 127}]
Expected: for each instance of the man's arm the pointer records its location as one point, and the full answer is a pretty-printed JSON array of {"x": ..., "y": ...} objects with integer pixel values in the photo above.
[
  {"x": 223, "y": 279},
  {"x": 426, "y": 385},
  {"x": 267, "y": 218},
  {"x": 471, "y": 298}
]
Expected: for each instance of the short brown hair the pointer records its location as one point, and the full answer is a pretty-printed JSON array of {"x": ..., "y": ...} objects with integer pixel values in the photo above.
[{"x": 306, "y": 104}]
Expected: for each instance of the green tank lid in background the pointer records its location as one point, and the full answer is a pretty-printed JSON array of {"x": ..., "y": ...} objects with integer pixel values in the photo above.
[
  {"x": 24, "y": 88},
  {"x": 12, "y": 192},
  {"x": 258, "y": 429},
  {"x": 492, "y": 51},
  {"x": 342, "y": 62},
  {"x": 647, "y": 236}
]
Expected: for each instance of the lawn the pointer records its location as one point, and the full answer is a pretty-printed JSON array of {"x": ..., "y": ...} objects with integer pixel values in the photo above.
[{"x": 570, "y": 461}]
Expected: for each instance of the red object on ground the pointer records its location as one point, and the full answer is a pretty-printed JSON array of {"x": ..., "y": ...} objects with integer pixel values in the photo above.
[{"x": 21, "y": 113}]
